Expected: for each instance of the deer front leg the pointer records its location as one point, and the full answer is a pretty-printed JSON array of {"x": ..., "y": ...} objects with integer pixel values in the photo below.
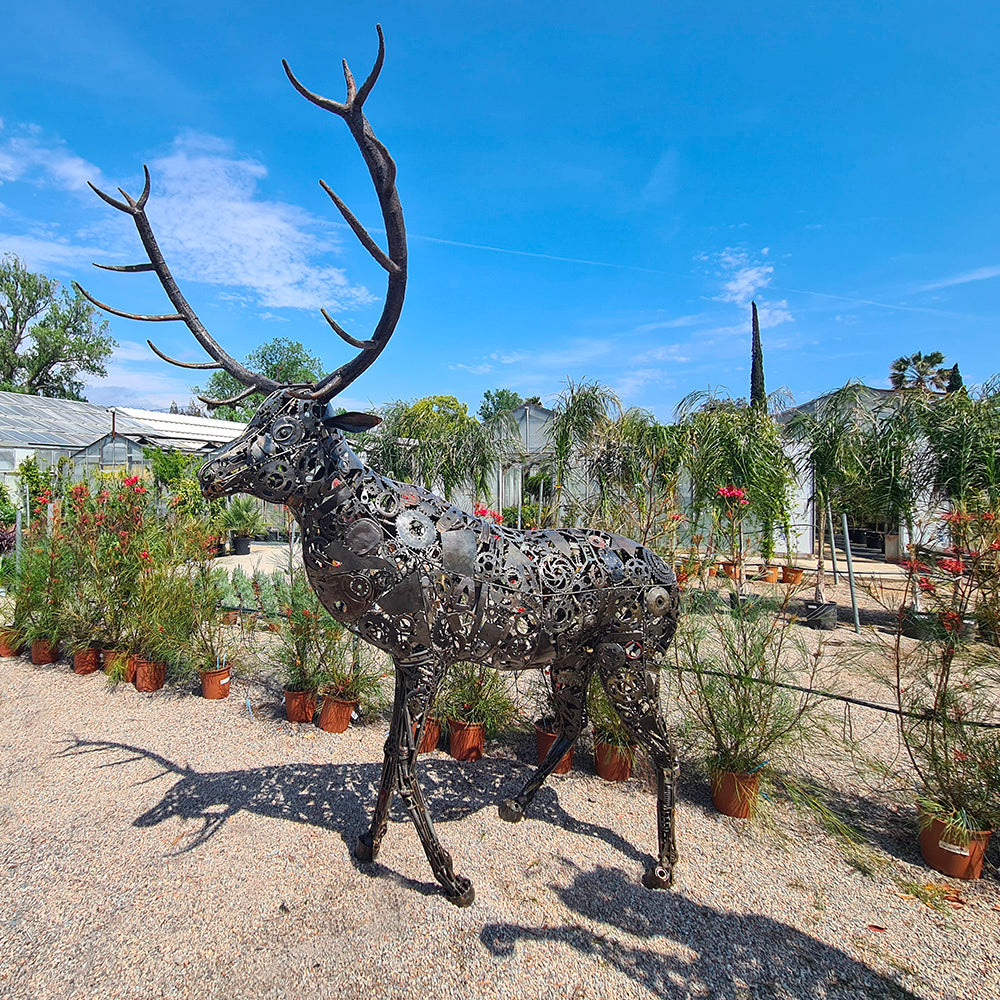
[
  {"x": 634, "y": 694},
  {"x": 569, "y": 688},
  {"x": 416, "y": 685}
]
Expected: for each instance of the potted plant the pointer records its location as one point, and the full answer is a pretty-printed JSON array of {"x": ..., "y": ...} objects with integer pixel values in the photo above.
[
  {"x": 265, "y": 596},
  {"x": 243, "y": 519},
  {"x": 543, "y": 689},
  {"x": 350, "y": 685},
  {"x": 42, "y": 583},
  {"x": 307, "y": 647},
  {"x": 614, "y": 746},
  {"x": 945, "y": 686},
  {"x": 740, "y": 720},
  {"x": 476, "y": 702}
]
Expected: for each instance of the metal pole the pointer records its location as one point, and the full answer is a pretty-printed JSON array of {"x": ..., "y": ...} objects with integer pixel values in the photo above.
[
  {"x": 850, "y": 578},
  {"x": 17, "y": 541},
  {"x": 541, "y": 491},
  {"x": 833, "y": 547},
  {"x": 27, "y": 503}
]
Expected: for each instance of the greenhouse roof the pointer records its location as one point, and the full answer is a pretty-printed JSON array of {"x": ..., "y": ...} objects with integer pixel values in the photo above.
[{"x": 39, "y": 422}]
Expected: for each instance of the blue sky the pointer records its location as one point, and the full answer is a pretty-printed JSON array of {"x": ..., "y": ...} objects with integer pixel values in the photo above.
[{"x": 590, "y": 190}]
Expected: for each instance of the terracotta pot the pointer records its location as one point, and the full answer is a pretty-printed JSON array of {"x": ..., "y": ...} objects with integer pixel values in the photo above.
[
  {"x": 431, "y": 738},
  {"x": 729, "y": 568},
  {"x": 230, "y": 618},
  {"x": 43, "y": 651},
  {"x": 466, "y": 740},
  {"x": 112, "y": 657},
  {"x": 612, "y": 763},
  {"x": 150, "y": 675},
  {"x": 86, "y": 661},
  {"x": 11, "y": 643},
  {"x": 713, "y": 570},
  {"x": 791, "y": 574},
  {"x": 335, "y": 714},
  {"x": 735, "y": 794},
  {"x": 768, "y": 574},
  {"x": 544, "y": 740},
  {"x": 955, "y": 860},
  {"x": 300, "y": 706},
  {"x": 215, "y": 684}
]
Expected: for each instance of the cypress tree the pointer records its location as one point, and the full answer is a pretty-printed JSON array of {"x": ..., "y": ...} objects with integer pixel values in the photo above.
[
  {"x": 955, "y": 381},
  {"x": 758, "y": 395}
]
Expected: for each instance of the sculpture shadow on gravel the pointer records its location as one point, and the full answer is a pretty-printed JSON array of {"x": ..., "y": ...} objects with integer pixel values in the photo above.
[
  {"x": 733, "y": 955},
  {"x": 335, "y": 797}
]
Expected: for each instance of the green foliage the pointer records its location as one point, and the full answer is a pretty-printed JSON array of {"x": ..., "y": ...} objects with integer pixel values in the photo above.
[
  {"x": 473, "y": 693},
  {"x": 758, "y": 394},
  {"x": 919, "y": 371},
  {"x": 281, "y": 359},
  {"x": 34, "y": 479},
  {"x": 496, "y": 401},
  {"x": 244, "y": 517},
  {"x": 529, "y": 516},
  {"x": 8, "y": 512},
  {"x": 743, "y": 721},
  {"x": 169, "y": 465},
  {"x": 955, "y": 380},
  {"x": 435, "y": 443},
  {"x": 47, "y": 338},
  {"x": 607, "y": 724}
]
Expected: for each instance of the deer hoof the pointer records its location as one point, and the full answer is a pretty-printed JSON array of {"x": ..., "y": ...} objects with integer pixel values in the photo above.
[
  {"x": 365, "y": 849},
  {"x": 466, "y": 894},
  {"x": 511, "y": 811},
  {"x": 658, "y": 877}
]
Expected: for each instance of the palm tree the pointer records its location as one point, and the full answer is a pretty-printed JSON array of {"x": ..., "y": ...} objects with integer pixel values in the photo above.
[
  {"x": 581, "y": 408},
  {"x": 826, "y": 440},
  {"x": 919, "y": 371}
]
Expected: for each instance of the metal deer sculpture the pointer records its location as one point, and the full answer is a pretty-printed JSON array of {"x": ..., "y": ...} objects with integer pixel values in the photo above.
[{"x": 428, "y": 583}]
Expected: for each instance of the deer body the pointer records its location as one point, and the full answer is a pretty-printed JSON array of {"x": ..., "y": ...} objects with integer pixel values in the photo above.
[{"x": 424, "y": 581}]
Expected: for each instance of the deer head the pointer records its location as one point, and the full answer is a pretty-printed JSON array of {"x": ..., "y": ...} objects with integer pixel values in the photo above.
[{"x": 293, "y": 442}]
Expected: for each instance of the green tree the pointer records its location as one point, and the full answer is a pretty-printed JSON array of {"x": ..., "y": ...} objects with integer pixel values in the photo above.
[
  {"x": 169, "y": 465},
  {"x": 758, "y": 395},
  {"x": 48, "y": 337},
  {"x": 955, "y": 380},
  {"x": 435, "y": 443},
  {"x": 281, "y": 359},
  {"x": 919, "y": 371},
  {"x": 498, "y": 401}
]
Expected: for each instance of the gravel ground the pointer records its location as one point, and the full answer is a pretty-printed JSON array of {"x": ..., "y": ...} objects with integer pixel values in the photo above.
[{"x": 166, "y": 846}]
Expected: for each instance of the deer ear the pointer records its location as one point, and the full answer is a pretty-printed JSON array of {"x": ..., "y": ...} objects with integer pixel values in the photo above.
[{"x": 353, "y": 423}]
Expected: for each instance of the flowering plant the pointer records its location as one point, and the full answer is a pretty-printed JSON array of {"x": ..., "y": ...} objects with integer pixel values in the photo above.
[
  {"x": 731, "y": 503},
  {"x": 946, "y": 685},
  {"x": 476, "y": 694},
  {"x": 481, "y": 510}
]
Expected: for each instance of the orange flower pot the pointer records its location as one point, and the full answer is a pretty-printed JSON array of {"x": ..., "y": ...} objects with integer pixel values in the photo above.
[
  {"x": 729, "y": 568},
  {"x": 791, "y": 574},
  {"x": 544, "y": 740},
  {"x": 114, "y": 657},
  {"x": 431, "y": 737},
  {"x": 335, "y": 715},
  {"x": 956, "y": 860},
  {"x": 768, "y": 574},
  {"x": 735, "y": 794},
  {"x": 11, "y": 643},
  {"x": 613, "y": 763},
  {"x": 300, "y": 706},
  {"x": 466, "y": 740},
  {"x": 43, "y": 651},
  {"x": 150, "y": 675},
  {"x": 86, "y": 661},
  {"x": 215, "y": 684}
]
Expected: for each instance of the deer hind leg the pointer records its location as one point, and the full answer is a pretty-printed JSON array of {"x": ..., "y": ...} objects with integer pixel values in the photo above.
[
  {"x": 633, "y": 691},
  {"x": 569, "y": 685},
  {"x": 416, "y": 684}
]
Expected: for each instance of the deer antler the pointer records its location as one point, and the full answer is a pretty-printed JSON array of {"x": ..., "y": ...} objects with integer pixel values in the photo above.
[
  {"x": 136, "y": 207},
  {"x": 383, "y": 172}
]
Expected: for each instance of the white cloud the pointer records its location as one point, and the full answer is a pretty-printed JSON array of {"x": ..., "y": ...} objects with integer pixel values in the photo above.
[
  {"x": 481, "y": 369},
  {"x": 215, "y": 228},
  {"x": 664, "y": 352},
  {"x": 967, "y": 277},
  {"x": 670, "y": 324},
  {"x": 38, "y": 252},
  {"x": 742, "y": 275},
  {"x": 28, "y": 156}
]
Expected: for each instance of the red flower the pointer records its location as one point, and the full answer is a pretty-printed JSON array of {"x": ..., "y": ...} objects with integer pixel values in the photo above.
[
  {"x": 925, "y": 583},
  {"x": 145, "y": 555},
  {"x": 131, "y": 481},
  {"x": 960, "y": 756},
  {"x": 954, "y": 566}
]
